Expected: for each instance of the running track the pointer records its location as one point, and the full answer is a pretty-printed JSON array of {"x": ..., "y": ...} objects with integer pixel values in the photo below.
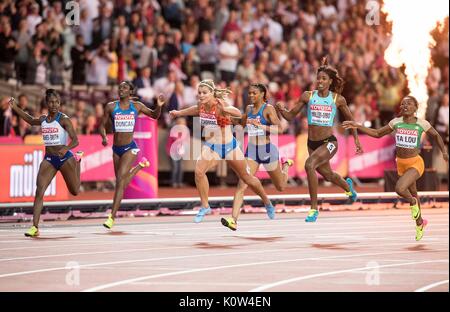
[{"x": 342, "y": 251}]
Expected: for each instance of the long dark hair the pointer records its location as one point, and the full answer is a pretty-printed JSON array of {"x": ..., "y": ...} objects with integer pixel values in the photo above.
[
  {"x": 262, "y": 88},
  {"x": 338, "y": 83}
]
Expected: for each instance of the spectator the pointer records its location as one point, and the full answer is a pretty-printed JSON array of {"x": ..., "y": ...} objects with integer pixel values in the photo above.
[
  {"x": 90, "y": 126},
  {"x": 441, "y": 119},
  {"x": 22, "y": 37},
  {"x": 144, "y": 86},
  {"x": 191, "y": 64},
  {"x": 97, "y": 73},
  {"x": 229, "y": 55},
  {"x": 177, "y": 146},
  {"x": 5, "y": 117},
  {"x": 7, "y": 51},
  {"x": 207, "y": 53},
  {"x": 79, "y": 61},
  {"x": 56, "y": 66},
  {"x": 190, "y": 92}
]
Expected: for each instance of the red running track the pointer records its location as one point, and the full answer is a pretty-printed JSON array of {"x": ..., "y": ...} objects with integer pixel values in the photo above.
[{"x": 342, "y": 251}]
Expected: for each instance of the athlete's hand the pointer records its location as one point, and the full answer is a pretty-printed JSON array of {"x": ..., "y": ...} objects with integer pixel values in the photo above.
[
  {"x": 174, "y": 114},
  {"x": 63, "y": 151},
  {"x": 255, "y": 122},
  {"x": 279, "y": 106},
  {"x": 445, "y": 156},
  {"x": 359, "y": 149},
  {"x": 105, "y": 141},
  {"x": 161, "y": 100},
  {"x": 12, "y": 103},
  {"x": 350, "y": 124}
]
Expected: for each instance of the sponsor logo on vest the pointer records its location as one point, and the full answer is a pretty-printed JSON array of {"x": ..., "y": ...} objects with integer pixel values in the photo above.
[{"x": 407, "y": 131}]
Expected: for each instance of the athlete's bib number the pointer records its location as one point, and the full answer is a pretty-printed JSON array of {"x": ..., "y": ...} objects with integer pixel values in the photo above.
[
  {"x": 124, "y": 123},
  {"x": 51, "y": 136},
  {"x": 253, "y": 130},
  {"x": 321, "y": 114},
  {"x": 208, "y": 120},
  {"x": 406, "y": 141}
]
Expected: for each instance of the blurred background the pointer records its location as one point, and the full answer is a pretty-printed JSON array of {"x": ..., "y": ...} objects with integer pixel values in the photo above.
[{"x": 168, "y": 46}]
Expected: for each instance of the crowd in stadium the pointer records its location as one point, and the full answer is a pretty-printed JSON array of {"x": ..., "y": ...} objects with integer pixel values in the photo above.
[{"x": 168, "y": 46}]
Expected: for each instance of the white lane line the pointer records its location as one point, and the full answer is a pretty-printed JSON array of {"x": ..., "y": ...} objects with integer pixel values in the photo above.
[
  {"x": 76, "y": 245},
  {"x": 428, "y": 287},
  {"x": 302, "y": 278},
  {"x": 208, "y": 225},
  {"x": 148, "y": 260},
  {"x": 91, "y": 253},
  {"x": 317, "y": 240},
  {"x": 138, "y": 279},
  {"x": 179, "y": 257},
  {"x": 244, "y": 235},
  {"x": 173, "y": 235},
  {"x": 192, "y": 283}
]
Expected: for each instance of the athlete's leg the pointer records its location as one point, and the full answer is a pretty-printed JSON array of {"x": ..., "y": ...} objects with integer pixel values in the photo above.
[
  {"x": 413, "y": 190},
  {"x": 317, "y": 158},
  {"x": 239, "y": 165},
  {"x": 241, "y": 187},
  {"x": 122, "y": 179},
  {"x": 45, "y": 175},
  {"x": 279, "y": 175},
  {"x": 70, "y": 171},
  {"x": 402, "y": 188},
  {"x": 333, "y": 177},
  {"x": 208, "y": 160}
]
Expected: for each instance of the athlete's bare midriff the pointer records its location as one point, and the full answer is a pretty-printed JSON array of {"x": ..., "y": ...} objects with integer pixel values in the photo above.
[
  {"x": 218, "y": 135},
  {"x": 123, "y": 138},
  {"x": 318, "y": 133},
  {"x": 53, "y": 150}
]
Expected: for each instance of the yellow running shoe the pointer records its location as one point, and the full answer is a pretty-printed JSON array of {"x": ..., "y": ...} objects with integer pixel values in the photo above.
[
  {"x": 144, "y": 162},
  {"x": 287, "y": 161},
  {"x": 229, "y": 223},
  {"x": 419, "y": 230},
  {"x": 415, "y": 210},
  {"x": 109, "y": 223},
  {"x": 32, "y": 232}
]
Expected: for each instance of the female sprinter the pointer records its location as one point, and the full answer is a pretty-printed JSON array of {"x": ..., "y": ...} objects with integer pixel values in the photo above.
[
  {"x": 56, "y": 128},
  {"x": 410, "y": 166},
  {"x": 322, "y": 105},
  {"x": 215, "y": 116},
  {"x": 259, "y": 117},
  {"x": 123, "y": 114}
]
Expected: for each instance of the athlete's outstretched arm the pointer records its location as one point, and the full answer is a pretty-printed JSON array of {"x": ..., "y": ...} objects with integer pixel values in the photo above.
[
  {"x": 230, "y": 110},
  {"x": 341, "y": 103},
  {"x": 190, "y": 111},
  {"x": 24, "y": 115},
  {"x": 290, "y": 114},
  {"x": 375, "y": 133},
  {"x": 66, "y": 123},
  {"x": 437, "y": 137},
  {"x": 153, "y": 113},
  {"x": 102, "y": 127}
]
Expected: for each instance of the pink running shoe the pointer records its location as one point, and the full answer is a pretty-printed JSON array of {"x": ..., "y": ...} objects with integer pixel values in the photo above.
[{"x": 78, "y": 155}]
